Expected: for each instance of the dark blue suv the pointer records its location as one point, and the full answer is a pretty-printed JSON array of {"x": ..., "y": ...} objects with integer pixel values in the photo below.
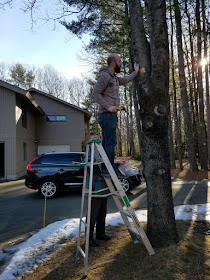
[{"x": 51, "y": 173}]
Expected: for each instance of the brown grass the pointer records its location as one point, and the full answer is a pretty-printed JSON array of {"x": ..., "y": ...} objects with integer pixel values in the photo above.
[{"x": 121, "y": 259}]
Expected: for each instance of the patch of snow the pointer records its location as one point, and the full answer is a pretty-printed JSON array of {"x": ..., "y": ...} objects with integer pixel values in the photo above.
[{"x": 178, "y": 181}]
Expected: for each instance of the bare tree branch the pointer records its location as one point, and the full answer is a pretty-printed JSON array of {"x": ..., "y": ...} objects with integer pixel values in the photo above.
[
  {"x": 29, "y": 6},
  {"x": 5, "y": 3}
]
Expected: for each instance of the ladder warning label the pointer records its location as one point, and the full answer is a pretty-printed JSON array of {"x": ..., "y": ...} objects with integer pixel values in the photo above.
[{"x": 135, "y": 220}]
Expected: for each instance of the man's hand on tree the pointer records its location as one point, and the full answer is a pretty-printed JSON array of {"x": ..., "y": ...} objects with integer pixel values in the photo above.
[
  {"x": 113, "y": 109},
  {"x": 136, "y": 67}
]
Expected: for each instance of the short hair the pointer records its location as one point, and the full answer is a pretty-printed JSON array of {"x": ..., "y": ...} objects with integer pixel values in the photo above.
[{"x": 111, "y": 57}]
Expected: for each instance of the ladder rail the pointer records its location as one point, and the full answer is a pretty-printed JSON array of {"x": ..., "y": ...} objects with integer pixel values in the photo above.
[
  {"x": 87, "y": 235},
  {"x": 82, "y": 201}
]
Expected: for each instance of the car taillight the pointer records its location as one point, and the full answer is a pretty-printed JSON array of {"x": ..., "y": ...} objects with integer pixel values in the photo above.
[{"x": 29, "y": 168}]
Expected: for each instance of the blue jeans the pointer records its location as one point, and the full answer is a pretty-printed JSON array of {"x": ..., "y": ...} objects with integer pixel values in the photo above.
[{"x": 108, "y": 123}]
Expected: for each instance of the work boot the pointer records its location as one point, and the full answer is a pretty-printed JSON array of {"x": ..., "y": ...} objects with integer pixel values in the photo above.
[{"x": 103, "y": 237}]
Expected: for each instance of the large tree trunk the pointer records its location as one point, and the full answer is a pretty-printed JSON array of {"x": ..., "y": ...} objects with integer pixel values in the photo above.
[
  {"x": 154, "y": 109},
  {"x": 202, "y": 127},
  {"x": 185, "y": 106}
]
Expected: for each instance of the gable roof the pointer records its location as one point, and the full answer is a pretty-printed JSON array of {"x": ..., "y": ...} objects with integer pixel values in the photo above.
[
  {"x": 26, "y": 94},
  {"x": 87, "y": 113}
]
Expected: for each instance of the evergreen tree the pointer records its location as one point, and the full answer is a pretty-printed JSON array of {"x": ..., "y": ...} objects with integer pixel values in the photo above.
[
  {"x": 18, "y": 73},
  {"x": 21, "y": 77},
  {"x": 29, "y": 79}
]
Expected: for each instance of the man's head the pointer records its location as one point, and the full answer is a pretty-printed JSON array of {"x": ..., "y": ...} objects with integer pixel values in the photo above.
[{"x": 114, "y": 62}]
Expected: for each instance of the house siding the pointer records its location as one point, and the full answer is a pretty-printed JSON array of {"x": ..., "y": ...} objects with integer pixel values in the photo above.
[
  {"x": 71, "y": 132},
  {"x": 8, "y": 130}
]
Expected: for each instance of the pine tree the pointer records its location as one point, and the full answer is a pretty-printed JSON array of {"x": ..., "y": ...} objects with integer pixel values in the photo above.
[
  {"x": 21, "y": 77},
  {"x": 18, "y": 73}
]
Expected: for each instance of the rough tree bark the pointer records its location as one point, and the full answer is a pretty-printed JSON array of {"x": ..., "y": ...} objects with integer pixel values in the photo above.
[
  {"x": 185, "y": 105},
  {"x": 154, "y": 110}
]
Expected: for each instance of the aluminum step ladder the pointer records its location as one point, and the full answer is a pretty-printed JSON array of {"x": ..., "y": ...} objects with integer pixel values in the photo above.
[{"x": 97, "y": 155}]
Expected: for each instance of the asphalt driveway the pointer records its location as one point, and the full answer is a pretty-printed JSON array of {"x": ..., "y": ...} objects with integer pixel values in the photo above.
[{"x": 22, "y": 209}]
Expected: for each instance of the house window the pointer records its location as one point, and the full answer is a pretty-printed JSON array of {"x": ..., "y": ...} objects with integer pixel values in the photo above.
[
  {"x": 56, "y": 118},
  {"x": 24, "y": 117},
  {"x": 24, "y": 152}
]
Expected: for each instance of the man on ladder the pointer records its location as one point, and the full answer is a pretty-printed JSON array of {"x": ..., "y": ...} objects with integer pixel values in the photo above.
[{"x": 106, "y": 94}]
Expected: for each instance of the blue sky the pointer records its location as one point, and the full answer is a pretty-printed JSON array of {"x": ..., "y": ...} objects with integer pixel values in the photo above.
[{"x": 41, "y": 46}]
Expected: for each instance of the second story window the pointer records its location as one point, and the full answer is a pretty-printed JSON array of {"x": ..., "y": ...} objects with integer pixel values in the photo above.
[
  {"x": 56, "y": 118},
  {"x": 24, "y": 117}
]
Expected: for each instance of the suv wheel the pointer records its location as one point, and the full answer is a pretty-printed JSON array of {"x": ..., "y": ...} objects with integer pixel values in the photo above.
[{"x": 49, "y": 188}]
